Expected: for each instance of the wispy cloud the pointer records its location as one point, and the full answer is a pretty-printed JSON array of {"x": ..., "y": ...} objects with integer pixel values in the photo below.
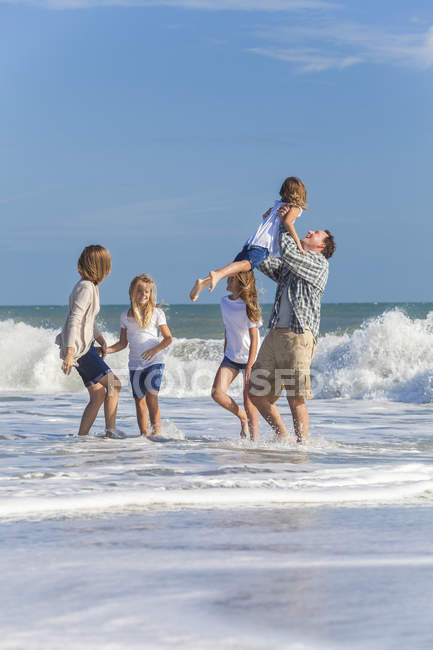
[
  {"x": 317, "y": 41},
  {"x": 339, "y": 45},
  {"x": 213, "y": 5}
]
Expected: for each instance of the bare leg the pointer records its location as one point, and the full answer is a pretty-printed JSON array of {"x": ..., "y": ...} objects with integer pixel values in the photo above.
[
  {"x": 301, "y": 418},
  {"x": 215, "y": 276},
  {"x": 97, "y": 394},
  {"x": 252, "y": 414},
  {"x": 154, "y": 412},
  {"x": 142, "y": 419},
  {"x": 222, "y": 381},
  {"x": 200, "y": 284},
  {"x": 113, "y": 386},
  {"x": 225, "y": 271},
  {"x": 271, "y": 414}
]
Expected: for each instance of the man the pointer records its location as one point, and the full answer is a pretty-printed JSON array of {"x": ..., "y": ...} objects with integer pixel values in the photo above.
[{"x": 286, "y": 353}]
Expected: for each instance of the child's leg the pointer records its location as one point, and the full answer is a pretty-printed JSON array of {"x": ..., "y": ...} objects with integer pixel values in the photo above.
[
  {"x": 252, "y": 414},
  {"x": 215, "y": 276},
  {"x": 222, "y": 381},
  {"x": 226, "y": 271},
  {"x": 154, "y": 412},
  {"x": 97, "y": 394},
  {"x": 141, "y": 409},
  {"x": 200, "y": 284},
  {"x": 113, "y": 386}
]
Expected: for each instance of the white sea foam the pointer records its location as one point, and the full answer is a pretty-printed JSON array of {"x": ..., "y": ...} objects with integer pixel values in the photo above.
[
  {"x": 388, "y": 357},
  {"x": 367, "y": 486}
]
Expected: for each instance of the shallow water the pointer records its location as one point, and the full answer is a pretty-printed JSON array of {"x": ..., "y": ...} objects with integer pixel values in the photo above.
[
  {"x": 205, "y": 541},
  {"x": 202, "y": 540}
]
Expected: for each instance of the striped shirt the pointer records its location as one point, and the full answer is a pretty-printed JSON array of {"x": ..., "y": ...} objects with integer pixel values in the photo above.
[{"x": 303, "y": 277}]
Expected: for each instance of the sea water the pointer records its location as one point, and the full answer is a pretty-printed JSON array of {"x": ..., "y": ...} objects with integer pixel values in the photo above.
[{"x": 204, "y": 540}]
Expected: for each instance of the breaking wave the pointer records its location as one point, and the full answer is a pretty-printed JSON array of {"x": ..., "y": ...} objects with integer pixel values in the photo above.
[{"x": 388, "y": 357}]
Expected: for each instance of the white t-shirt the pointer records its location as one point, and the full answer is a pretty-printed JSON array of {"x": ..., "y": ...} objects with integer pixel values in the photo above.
[
  {"x": 237, "y": 324},
  {"x": 143, "y": 338},
  {"x": 266, "y": 234}
]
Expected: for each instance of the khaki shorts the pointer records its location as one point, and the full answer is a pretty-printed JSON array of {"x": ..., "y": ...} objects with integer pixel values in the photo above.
[{"x": 283, "y": 362}]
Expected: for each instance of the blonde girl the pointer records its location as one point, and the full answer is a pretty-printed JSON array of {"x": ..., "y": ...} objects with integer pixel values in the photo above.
[
  {"x": 140, "y": 326},
  {"x": 242, "y": 319},
  {"x": 265, "y": 241},
  {"x": 77, "y": 338}
]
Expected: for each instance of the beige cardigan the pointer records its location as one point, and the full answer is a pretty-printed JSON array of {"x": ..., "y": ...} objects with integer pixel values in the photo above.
[{"x": 80, "y": 330}]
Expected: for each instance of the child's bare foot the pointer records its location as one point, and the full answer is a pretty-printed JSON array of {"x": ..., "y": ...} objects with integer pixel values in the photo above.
[
  {"x": 145, "y": 433},
  {"x": 200, "y": 284},
  {"x": 214, "y": 279}
]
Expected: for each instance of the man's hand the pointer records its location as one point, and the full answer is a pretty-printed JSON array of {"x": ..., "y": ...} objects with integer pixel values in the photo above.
[{"x": 283, "y": 211}]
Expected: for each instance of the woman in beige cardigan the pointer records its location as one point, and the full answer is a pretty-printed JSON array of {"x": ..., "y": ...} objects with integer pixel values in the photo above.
[{"x": 78, "y": 335}]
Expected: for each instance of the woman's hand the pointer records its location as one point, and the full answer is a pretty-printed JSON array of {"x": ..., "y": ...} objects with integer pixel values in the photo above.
[
  {"x": 149, "y": 354},
  {"x": 68, "y": 363}
]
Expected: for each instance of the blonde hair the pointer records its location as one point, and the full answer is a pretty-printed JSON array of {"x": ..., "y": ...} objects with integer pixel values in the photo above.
[
  {"x": 248, "y": 293},
  {"x": 142, "y": 313},
  {"x": 294, "y": 192},
  {"x": 94, "y": 263}
]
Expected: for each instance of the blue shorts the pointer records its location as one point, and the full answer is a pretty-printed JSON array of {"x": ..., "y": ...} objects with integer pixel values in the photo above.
[
  {"x": 146, "y": 379},
  {"x": 254, "y": 254},
  {"x": 92, "y": 367},
  {"x": 228, "y": 363}
]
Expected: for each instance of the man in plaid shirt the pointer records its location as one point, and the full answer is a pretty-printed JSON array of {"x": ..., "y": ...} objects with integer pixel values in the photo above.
[{"x": 286, "y": 353}]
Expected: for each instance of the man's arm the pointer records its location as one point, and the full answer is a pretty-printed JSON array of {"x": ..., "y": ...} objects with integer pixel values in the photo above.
[
  {"x": 271, "y": 267},
  {"x": 312, "y": 267}
]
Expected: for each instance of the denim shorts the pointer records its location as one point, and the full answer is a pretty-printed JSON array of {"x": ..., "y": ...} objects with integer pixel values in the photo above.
[
  {"x": 254, "y": 254},
  {"x": 91, "y": 367},
  {"x": 146, "y": 379},
  {"x": 228, "y": 363}
]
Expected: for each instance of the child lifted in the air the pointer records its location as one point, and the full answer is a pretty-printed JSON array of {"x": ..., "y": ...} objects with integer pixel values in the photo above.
[{"x": 264, "y": 243}]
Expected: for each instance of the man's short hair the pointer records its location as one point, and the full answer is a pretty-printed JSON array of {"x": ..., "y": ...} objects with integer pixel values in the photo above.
[{"x": 329, "y": 249}]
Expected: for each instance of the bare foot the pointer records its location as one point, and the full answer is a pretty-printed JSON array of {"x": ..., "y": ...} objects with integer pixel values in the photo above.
[
  {"x": 244, "y": 429},
  {"x": 114, "y": 433},
  {"x": 145, "y": 433},
  {"x": 200, "y": 284},
  {"x": 214, "y": 279}
]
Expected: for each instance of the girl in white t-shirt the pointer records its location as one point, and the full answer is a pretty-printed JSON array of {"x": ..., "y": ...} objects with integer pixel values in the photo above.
[
  {"x": 140, "y": 326},
  {"x": 265, "y": 241},
  {"x": 242, "y": 319}
]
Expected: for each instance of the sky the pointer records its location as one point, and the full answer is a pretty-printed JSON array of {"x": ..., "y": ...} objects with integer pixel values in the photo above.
[{"x": 162, "y": 129}]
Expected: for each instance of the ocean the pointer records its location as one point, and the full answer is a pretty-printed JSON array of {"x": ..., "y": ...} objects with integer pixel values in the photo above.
[{"x": 206, "y": 541}]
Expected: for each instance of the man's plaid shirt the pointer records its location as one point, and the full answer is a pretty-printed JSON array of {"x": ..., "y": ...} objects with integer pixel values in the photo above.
[{"x": 303, "y": 277}]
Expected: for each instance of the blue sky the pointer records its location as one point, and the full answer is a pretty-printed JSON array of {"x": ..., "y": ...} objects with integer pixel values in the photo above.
[{"x": 163, "y": 130}]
